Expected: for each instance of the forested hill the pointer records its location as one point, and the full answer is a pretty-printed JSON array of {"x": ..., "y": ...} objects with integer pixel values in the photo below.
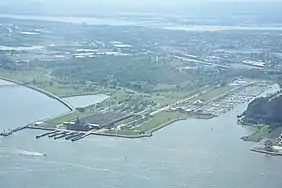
[{"x": 265, "y": 109}]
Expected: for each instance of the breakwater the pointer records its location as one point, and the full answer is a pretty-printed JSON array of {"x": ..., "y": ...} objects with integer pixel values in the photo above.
[
  {"x": 40, "y": 91},
  {"x": 10, "y": 132}
]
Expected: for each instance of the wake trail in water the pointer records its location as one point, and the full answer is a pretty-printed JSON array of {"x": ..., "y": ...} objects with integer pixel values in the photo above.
[{"x": 21, "y": 152}]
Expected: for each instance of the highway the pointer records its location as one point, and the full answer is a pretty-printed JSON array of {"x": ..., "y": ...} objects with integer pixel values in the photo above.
[{"x": 202, "y": 62}]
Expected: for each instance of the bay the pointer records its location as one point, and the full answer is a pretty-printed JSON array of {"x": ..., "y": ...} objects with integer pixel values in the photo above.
[{"x": 191, "y": 153}]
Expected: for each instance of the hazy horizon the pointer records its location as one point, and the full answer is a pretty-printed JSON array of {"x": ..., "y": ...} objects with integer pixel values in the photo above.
[{"x": 77, "y": 7}]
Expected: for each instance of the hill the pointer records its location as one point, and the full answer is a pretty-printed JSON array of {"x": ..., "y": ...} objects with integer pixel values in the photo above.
[{"x": 265, "y": 110}]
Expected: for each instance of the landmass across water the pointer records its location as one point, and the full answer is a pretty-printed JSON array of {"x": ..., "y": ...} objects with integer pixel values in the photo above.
[{"x": 151, "y": 80}]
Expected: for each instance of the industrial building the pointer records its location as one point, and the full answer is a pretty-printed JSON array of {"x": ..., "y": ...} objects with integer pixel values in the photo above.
[{"x": 80, "y": 125}]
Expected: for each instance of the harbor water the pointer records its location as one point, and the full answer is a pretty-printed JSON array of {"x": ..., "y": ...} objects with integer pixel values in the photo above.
[{"x": 191, "y": 153}]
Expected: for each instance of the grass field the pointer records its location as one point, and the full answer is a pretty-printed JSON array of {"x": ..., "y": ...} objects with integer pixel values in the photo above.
[
  {"x": 22, "y": 76},
  {"x": 64, "y": 118},
  {"x": 57, "y": 89},
  {"x": 215, "y": 92},
  {"x": 122, "y": 132},
  {"x": 262, "y": 132},
  {"x": 158, "y": 119},
  {"x": 66, "y": 91}
]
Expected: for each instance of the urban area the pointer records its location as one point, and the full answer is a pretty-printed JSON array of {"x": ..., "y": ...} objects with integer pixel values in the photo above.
[{"x": 153, "y": 76}]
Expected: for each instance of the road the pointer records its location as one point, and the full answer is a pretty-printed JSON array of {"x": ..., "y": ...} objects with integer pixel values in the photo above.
[
  {"x": 198, "y": 94},
  {"x": 201, "y": 62},
  {"x": 181, "y": 101}
]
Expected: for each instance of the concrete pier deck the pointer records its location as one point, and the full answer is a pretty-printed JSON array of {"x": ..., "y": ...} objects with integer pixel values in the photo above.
[{"x": 276, "y": 151}]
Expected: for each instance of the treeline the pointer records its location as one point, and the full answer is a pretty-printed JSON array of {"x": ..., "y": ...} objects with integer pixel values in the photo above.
[
  {"x": 137, "y": 73},
  {"x": 266, "y": 109}
]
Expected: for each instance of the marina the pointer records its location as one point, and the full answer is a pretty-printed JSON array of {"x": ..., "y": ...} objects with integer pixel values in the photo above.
[
  {"x": 45, "y": 134},
  {"x": 68, "y": 135},
  {"x": 160, "y": 155}
]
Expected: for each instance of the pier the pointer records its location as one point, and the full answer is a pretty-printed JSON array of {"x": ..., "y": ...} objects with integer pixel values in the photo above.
[
  {"x": 68, "y": 135},
  {"x": 64, "y": 134},
  {"x": 46, "y": 134},
  {"x": 72, "y": 135},
  {"x": 10, "y": 132},
  {"x": 81, "y": 136},
  {"x": 56, "y": 134}
]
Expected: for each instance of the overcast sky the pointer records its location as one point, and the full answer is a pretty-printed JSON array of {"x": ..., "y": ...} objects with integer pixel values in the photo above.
[{"x": 90, "y": 6}]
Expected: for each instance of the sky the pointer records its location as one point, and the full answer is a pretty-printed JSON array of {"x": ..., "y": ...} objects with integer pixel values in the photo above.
[{"x": 106, "y": 6}]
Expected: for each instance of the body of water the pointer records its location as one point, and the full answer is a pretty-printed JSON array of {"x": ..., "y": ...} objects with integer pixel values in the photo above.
[
  {"x": 85, "y": 100},
  {"x": 5, "y": 83},
  {"x": 20, "y": 106},
  {"x": 223, "y": 28},
  {"x": 191, "y": 153},
  {"x": 148, "y": 23}
]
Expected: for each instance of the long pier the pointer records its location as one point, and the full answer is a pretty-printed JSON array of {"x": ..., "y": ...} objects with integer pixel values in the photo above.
[
  {"x": 62, "y": 135},
  {"x": 10, "y": 132},
  {"x": 81, "y": 136},
  {"x": 40, "y": 91},
  {"x": 68, "y": 135},
  {"x": 46, "y": 134}
]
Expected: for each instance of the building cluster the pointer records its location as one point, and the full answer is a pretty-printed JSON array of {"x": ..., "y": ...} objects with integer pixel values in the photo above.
[{"x": 97, "y": 121}]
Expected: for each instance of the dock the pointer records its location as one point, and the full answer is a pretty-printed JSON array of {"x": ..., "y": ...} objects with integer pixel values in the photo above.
[
  {"x": 64, "y": 134},
  {"x": 10, "y": 132},
  {"x": 46, "y": 134},
  {"x": 276, "y": 151},
  {"x": 80, "y": 136},
  {"x": 56, "y": 134},
  {"x": 68, "y": 135},
  {"x": 72, "y": 135}
]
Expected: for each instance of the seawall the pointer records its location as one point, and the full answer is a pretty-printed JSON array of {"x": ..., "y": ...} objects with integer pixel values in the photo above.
[{"x": 40, "y": 91}]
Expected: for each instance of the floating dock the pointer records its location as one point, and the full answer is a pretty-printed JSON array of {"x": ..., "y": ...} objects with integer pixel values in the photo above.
[
  {"x": 45, "y": 134},
  {"x": 62, "y": 135},
  {"x": 56, "y": 134},
  {"x": 75, "y": 138},
  {"x": 72, "y": 135},
  {"x": 80, "y": 136}
]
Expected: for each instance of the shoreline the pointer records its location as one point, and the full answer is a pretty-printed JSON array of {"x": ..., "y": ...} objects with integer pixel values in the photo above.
[
  {"x": 146, "y": 135},
  {"x": 261, "y": 149}
]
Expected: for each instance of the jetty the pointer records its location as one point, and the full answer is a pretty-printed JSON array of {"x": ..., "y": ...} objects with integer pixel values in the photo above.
[
  {"x": 275, "y": 151},
  {"x": 81, "y": 136},
  {"x": 10, "y": 132},
  {"x": 72, "y": 135},
  {"x": 18, "y": 83},
  {"x": 56, "y": 134},
  {"x": 46, "y": 134},
  {"x": 64, "y": 134}
]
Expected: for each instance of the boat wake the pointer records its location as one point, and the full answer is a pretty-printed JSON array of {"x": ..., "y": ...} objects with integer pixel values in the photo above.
[{"x": 29, "y": 153}]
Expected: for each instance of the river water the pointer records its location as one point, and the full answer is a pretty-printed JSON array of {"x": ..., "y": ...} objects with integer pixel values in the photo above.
[
  {"x": 20, "y": 106},
  {"x": 185, "y": 154},
  {"x": 153, "y": 24}
]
